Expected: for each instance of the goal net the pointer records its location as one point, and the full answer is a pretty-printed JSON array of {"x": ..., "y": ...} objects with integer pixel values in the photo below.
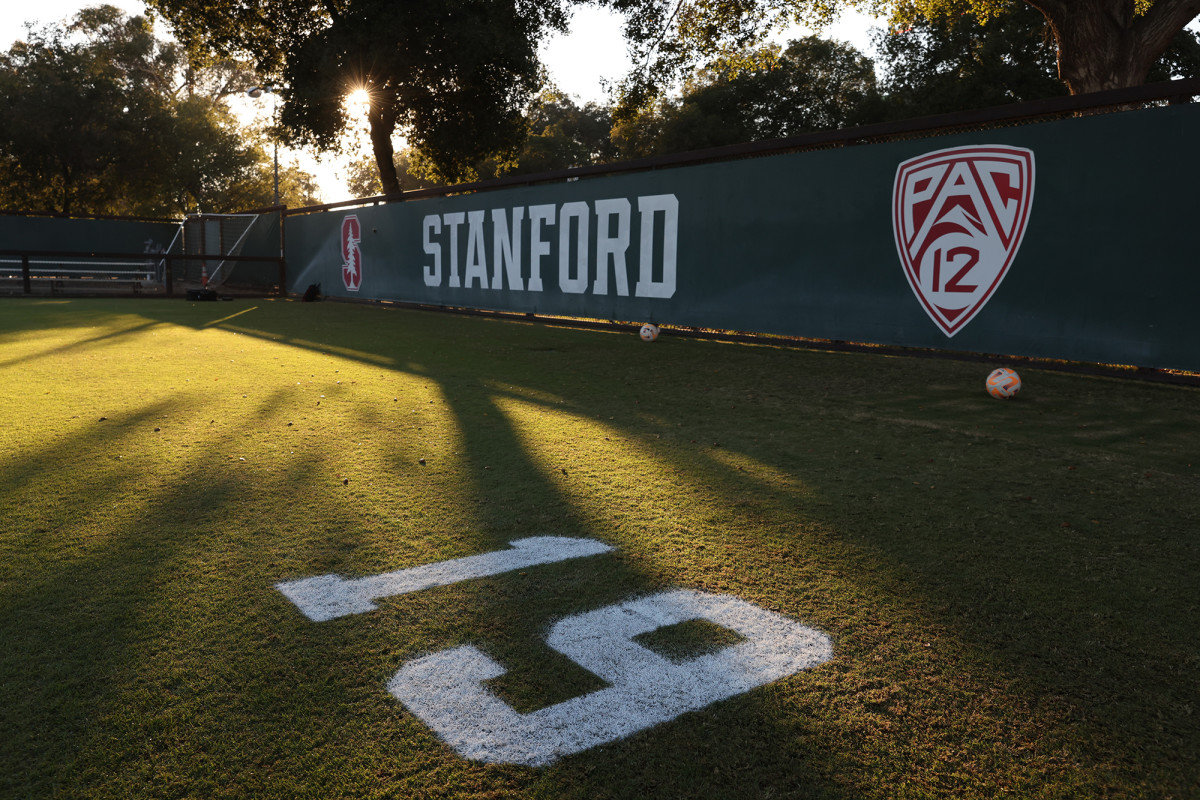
[{"x": 209, "y": 241}]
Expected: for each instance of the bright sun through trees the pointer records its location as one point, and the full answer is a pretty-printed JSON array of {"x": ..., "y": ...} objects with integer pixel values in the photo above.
[{"x": 358, "y": 101}]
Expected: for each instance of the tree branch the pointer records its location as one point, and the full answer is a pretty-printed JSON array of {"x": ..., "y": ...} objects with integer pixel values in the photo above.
[
  {"x": 1162, "y": 22},
  {"x": 662, "y": 34},
  {"x": 1051, "y": 9},
  {"x": 1174, "y": 14}
]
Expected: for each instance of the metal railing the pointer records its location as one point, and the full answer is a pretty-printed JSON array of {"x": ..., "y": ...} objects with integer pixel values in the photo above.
[{"x": 101, "y": 271}]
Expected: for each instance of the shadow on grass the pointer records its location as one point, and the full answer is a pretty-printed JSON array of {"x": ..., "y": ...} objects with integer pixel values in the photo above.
[
  {"x": 111, "y": 331},
  {"x": 1010, "y": 607}
]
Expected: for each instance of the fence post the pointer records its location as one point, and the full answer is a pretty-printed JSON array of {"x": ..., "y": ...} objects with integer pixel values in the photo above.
[
  {"x": 169, "y": 274},
  {"x": 282, "y": 255},
  {"x": 25, "y": 279}
]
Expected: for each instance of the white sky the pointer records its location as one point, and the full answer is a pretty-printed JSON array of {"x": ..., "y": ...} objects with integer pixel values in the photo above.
[{"x": 592, "y": 52}]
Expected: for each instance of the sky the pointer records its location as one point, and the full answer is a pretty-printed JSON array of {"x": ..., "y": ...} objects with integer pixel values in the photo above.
[{"x": 579, "y": 62}]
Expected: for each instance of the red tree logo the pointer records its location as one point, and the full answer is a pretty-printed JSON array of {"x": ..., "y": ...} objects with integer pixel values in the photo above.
[
  {"x": 959, "y": 216},
  {"x": 351, "y": 253}
]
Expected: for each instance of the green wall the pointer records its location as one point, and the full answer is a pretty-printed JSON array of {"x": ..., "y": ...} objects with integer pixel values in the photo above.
[
  {"x": 803, "y": 244},
  {"x": 88, "y": 235}
]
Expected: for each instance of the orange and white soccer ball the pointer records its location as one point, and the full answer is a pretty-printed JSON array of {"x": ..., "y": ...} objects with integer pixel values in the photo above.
[
  {"x": 649, "y": 332},
  {"x": 1003, "y": 383}
]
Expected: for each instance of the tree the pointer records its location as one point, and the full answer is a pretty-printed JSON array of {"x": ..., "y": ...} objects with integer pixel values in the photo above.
[
  {"x": 934, "y": 66},
  {"x": 1110, "y": 44},
  {"x": 100, "y": 116},
  {"x": 362, "y": 176},
  {"x": 561, "y": 134},
  {"x": 453, "y": 77},
  {"x": 954, "y": 63},
  {"x": 1101, "y": 44},
  {"x": 815, "y": 84},
  {"x": 1181, "y": 59},
  {"x": 68, "y": 124}
]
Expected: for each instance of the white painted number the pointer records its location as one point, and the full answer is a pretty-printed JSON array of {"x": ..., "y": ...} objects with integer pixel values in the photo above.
[
  {"x": 445, "y": 691},
  {"x": 326, "y": 597}
]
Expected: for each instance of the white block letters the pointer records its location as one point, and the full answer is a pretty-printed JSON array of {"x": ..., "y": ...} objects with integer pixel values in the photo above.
[{"x": 460, "y": 259}]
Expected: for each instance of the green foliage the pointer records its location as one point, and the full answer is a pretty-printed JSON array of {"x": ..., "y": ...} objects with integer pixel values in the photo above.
[
  {"x": 362, "y": 175},
  {"x": 1181, "y": 59},
  {"x": 100, "y": 116},
  {"x": 1100, "y": 44},
  {"x": 951, "y": 63},
  {"x": 452, "y": 77},
  {"x": 562, "y": 134},
  {"x": 71, "y": 118},
  {"x": 945, "y": 64},
  {"x": 815, "y": 84},
  {"x": 558, "y": 134},
  {"x": 669, "y": 37},
  {"x": 458, "y": 96},
  {"x": 930, "y": 67},
  {"x": 426, "y": 172}
]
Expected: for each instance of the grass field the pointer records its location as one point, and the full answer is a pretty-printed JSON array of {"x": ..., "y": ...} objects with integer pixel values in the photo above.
[{"x": 1010, "y": 587}]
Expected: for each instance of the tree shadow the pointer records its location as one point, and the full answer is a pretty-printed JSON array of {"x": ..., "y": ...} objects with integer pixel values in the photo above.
[
  {"x": 1015, "y": 625},
  {"x": 971, "y": 657}
]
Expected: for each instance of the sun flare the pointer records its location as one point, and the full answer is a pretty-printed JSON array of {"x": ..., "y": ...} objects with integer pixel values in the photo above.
[{"x": 359, "y": 101}]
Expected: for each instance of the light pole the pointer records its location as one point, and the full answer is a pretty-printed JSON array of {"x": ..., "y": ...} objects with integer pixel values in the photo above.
[{"x": 257, "y": 92}]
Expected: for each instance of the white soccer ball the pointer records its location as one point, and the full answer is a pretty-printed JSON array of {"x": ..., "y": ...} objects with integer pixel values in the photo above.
[
  {"x": 649, "y": 332},
  {"x": 1003, "y": 383}
]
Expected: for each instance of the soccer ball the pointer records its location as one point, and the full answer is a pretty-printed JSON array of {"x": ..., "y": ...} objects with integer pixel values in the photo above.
[
  {"x": 649, "y": 332},
  {"x": 1003, "y": 383}
]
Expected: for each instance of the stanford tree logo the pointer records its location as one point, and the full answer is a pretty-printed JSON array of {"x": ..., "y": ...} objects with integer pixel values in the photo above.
[
  {"x": 351, "y": 253},
  {"x": 958, "y": 216}
]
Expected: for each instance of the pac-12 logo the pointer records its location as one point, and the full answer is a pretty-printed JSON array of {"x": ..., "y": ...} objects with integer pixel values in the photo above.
[
  {"x": 959, "y": 216},
  {"x": 351, "y": 253}
]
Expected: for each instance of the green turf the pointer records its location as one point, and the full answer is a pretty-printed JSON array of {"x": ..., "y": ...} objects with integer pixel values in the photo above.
[{"x": 1010, "y": 587}]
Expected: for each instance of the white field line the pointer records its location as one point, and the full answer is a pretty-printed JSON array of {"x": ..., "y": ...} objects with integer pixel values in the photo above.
[
  {"x": 445, "y": 689},
  {"x": 326, "y": 597}
]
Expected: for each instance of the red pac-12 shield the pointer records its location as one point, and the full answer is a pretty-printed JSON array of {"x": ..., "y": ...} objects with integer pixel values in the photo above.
[
  {"x": 351, "y": 253},
  {"x": 959, "y": 216}
]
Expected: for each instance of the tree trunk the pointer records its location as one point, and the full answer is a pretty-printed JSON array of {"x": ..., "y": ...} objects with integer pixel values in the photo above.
[
  {"x": 1104, "y": 44},
  {"x": 67, "y": 191},
  {"x": 383, "y": 123}
]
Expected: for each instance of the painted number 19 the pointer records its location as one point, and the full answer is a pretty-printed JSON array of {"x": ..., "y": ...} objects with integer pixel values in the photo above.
[{"x": 445, "y": 689}]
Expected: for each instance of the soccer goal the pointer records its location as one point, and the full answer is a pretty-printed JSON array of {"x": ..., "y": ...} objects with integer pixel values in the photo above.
[{"x": 212, "y": 243}]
